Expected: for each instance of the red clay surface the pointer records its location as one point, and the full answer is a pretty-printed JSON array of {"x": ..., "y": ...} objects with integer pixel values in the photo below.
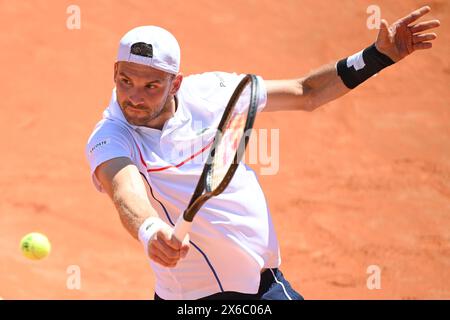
[{"x": 364, "y": 180}]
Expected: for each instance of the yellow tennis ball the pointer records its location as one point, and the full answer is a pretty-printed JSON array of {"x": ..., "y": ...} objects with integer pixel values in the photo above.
[{"x": 35, "y": 246}]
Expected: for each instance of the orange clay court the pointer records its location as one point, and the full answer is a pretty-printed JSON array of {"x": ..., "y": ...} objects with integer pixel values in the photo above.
[{"x": 362, "y": 181}]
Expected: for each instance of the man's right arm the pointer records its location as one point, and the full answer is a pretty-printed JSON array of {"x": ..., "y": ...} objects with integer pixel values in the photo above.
[{"x": 122, "y": 181}]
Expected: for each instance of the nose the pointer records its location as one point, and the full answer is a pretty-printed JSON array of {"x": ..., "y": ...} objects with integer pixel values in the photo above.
[{"x": 136, "y": 97}]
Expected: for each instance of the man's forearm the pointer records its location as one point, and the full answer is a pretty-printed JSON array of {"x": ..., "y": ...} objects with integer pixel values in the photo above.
[
  {"x": 323, "y": 85},
  {"x": 123, "y": 183},
  {"x": 334, "y": 80},
  {"x": 133, "y": 210},
  {"x": 307, "y": 93}
]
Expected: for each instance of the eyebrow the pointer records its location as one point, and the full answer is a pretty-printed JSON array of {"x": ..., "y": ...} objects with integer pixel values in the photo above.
[{"x": 121, "y": 73}]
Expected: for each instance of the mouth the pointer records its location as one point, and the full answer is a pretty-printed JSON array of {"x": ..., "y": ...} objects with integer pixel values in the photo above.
[{"x": 134, "y": 108}]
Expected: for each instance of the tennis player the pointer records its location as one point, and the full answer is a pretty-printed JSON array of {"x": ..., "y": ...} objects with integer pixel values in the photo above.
[{"x": 148, "y": 151}]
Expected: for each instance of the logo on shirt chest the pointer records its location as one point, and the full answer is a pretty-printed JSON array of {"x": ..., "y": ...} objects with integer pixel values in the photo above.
[{"x": 201, "y": 131}]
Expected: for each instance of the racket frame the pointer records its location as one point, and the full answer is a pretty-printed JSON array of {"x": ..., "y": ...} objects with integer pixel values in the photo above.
[{"x": 199, "y": 197}]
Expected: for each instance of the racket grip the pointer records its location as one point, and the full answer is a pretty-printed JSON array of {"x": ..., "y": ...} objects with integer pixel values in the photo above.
[{"x": 182, "y": 228}]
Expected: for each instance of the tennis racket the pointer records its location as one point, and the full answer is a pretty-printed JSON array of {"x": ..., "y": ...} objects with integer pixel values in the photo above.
[{"x": 226, "y": 152}]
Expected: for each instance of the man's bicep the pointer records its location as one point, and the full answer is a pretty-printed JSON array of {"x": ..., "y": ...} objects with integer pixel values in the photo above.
[{"x": 285, "y": 95}]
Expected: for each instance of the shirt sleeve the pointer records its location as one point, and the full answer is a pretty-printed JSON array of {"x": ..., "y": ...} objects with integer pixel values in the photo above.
[
  {"x": 262, "y": 94},
  {"x": 106, "y": 143},
  {"x": 217, "y": 88},
  {"x": 232, "y": 80}
]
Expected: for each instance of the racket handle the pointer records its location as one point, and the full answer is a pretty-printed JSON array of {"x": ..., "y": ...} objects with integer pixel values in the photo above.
[{"x": 182, "y": 228}]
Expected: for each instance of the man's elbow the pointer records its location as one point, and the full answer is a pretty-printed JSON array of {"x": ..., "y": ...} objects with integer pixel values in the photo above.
[
  {"x": 288, "y": 95},
  {"x": 307, "y": 99},
  {"x": 301, "y": 96}
]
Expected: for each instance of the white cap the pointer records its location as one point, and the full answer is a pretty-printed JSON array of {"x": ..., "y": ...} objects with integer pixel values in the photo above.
[{"x": 151, "y": 46}]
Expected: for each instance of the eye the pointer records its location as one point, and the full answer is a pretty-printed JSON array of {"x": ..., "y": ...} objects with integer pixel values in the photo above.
[
  {"x": 150, "y": 86},
  {"x": 125, "y": 81}
]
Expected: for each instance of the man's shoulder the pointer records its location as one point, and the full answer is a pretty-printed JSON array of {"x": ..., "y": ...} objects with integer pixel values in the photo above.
[
  {"x": 215, "y": 79},
  {"x": 109, "y": 128},
  {"x": 108, "y": 139},
  {"x": 209, "y": 85}
]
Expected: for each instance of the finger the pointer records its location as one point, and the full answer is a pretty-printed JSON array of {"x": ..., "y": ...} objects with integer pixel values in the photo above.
[
  {"x": 415, "y": 15},
  {"x": 167, "y": 252},
  {"x": 425, "y": 26},
  {"x": 184, "y": 252},
  {"x": 384, "y": 31},
  {"x": 164, "y": 245},
  {"x": 166, "y": 237},
  {"x": 422, "y": 45},
  {"x": 161, "y": 261},
  {"x": 157, "y": 259},
  {"x": 424, "y": 37},
  {"x": 174, "y": 243}
]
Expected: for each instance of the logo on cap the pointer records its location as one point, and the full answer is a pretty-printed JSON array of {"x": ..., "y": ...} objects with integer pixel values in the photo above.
[{"x": 142, "y": 49}]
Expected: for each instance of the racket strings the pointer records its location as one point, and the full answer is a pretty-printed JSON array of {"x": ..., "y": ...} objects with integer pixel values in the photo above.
[{"x": 228, "y": 146}]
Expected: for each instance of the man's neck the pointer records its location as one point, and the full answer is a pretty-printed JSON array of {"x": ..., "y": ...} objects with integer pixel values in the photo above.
[{"x": 167, "y": 113}]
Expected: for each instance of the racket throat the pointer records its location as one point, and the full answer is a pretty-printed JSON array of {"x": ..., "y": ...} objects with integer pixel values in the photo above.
[{"x": 191, "y": 211}]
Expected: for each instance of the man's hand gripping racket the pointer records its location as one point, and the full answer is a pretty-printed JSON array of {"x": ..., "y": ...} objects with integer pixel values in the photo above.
[{"x": 227, "y": 150}]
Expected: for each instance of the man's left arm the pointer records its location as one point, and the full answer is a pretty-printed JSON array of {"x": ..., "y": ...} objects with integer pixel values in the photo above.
[{"x": 332, "y": 81}]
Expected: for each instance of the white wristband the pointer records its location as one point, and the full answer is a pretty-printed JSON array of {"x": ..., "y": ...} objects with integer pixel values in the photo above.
[{"x": 148, "y": 230}]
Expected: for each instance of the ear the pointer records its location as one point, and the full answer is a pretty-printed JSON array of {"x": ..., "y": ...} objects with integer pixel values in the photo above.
[
  {"x": 176, "y": 83},
  {"x": 116, "y": 69}
]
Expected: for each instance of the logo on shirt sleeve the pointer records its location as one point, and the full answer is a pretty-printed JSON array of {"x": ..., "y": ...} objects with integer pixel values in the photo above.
[
  {"x": 221, "y": 79},
  {"x": 99, "y": 144}
]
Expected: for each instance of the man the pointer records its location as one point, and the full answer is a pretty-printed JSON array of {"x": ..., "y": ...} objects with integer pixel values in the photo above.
[{"x": 138, "y": 156}]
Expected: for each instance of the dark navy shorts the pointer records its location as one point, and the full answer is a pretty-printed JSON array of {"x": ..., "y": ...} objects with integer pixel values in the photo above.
[{"x": 273, "y": 286}]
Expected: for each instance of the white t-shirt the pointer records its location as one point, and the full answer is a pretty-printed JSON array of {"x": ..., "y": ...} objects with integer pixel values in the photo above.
[{"x": 232, "y": 236}]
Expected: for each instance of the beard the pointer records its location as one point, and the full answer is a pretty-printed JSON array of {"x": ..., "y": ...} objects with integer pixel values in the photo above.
[{"x": 140, "y": 115}]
